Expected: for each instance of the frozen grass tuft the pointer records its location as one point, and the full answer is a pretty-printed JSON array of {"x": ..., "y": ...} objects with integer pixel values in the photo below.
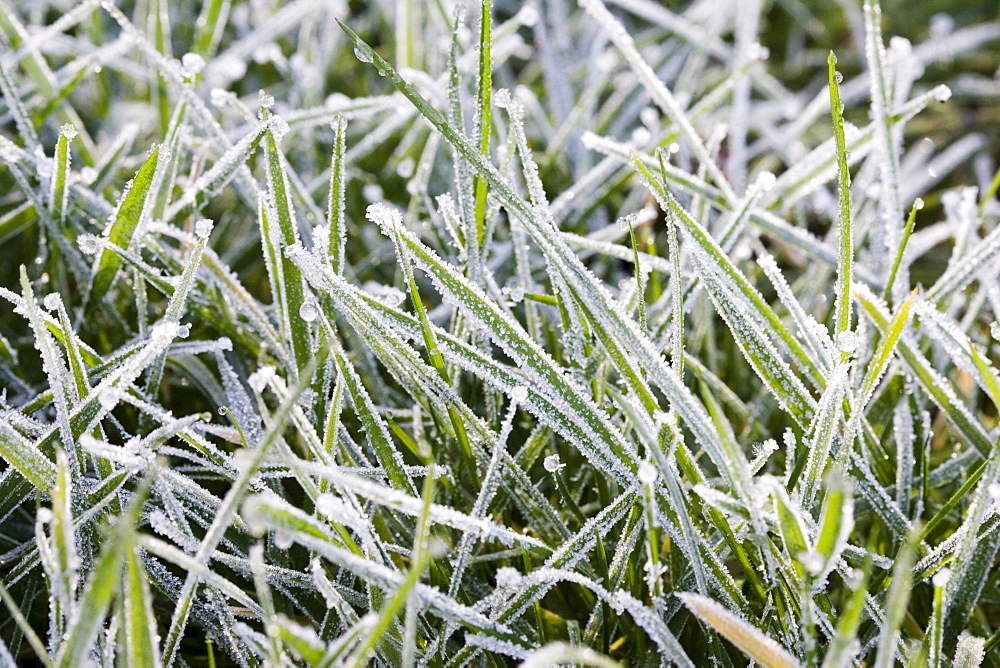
[{"x": 451, "y": 334}]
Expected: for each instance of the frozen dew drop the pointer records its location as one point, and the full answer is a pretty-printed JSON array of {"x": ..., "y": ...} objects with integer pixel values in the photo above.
[
  {"x": 519, "y": 394},
  {"x": 330, "y": 506},
  {"x": 528, "y": 15},
  {"x": 552, "y": 463},
  {"x": 89, "y": 244},
  {"x": 219, "y": 97},
  {"x": 646, "y": 473},
  {"x": 941, "y": 578},
  {"x": 942, "y": 93},
  {"x": 309, "y": 311},
  {"x": 847, "y": 342},
  {"x": 364, "y": 55},
  {"x": 918, "y": 203},
  {"x": 44, "y": 515},
  {"x": 758, "y": 51},
  {"x": 437, "y": 547},
  {"x": 203, "y": 228},
  {"x": 266, "y": 101},
  {"x": 995, "y": 330},
  {"x": 373, "y": 192},
  {"x": 813, "y": 561},
  {"x": 68, "y": 131},
  {"x": 259, "y": 379},
  {"x": 88, "y": 175},
  {"x": 508, "y": 577},
  {"x": 502, "y": 98},
  {"x": 193, "y": 63},
  {"x": 279, "y": 128},
  {"x": 52, "y": 301},
  {"x": 405, "y": 168},
  {"x": 282, "y": 540},
  {"x": 994, "y": 490},
  {"x": 108, "y": 398},
  {"x": 183, "y": 331},
  {"x": 766, "y": 181}
]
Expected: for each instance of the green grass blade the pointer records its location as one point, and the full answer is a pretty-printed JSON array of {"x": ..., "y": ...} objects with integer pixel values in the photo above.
[{"x": 125, "y": 221}]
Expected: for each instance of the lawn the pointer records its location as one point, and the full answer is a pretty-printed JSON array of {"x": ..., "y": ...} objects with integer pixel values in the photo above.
[{"x": 596, "y": 332}]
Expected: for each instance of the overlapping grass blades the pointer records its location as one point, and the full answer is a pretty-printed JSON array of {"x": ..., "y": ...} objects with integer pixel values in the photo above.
[{"x": 283, "y": 380}]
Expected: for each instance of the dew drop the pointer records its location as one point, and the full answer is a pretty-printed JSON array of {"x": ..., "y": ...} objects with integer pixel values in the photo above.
[
  {"x": 364, "y": 55},
  {"x": 839, "y": 77}
]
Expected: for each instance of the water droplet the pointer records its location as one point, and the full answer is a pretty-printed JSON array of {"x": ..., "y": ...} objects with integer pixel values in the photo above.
[
  {"x": 309, "y": 311},
  {"x": 363, "y": 54},
  {"x": 838, "y": 77}
]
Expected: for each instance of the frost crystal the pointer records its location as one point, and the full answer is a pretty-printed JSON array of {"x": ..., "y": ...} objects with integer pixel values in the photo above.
[{"x": 519, "y": 394}]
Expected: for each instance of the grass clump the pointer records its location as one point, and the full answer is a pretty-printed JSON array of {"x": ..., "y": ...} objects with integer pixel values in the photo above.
[{"x": 416, "y": 333}]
